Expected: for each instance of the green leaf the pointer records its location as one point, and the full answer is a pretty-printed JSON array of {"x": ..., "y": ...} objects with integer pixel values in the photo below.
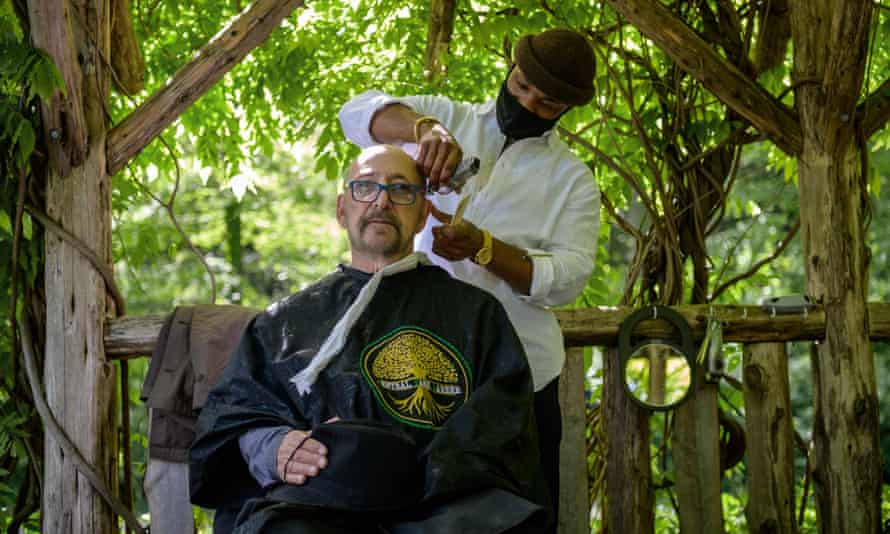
[
  {"x": 26, "y": 140},
  {"x": 27, "y": 228},
  {"x": 44, "y": 77},
  {"x": 5, "y": 223}
]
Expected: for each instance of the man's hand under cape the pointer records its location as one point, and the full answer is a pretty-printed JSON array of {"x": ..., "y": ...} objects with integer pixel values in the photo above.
[{"x": 300, "y": 456}]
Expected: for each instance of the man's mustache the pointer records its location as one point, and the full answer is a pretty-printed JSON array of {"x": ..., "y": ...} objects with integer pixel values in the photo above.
[{"x": 377, "y": 216}]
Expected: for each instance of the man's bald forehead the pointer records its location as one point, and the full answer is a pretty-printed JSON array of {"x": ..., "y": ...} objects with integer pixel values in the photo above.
[{"x": 396, "y": 154}]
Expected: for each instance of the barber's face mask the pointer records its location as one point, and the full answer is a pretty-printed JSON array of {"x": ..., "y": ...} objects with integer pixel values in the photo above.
[{"x": 515, "y": 121}]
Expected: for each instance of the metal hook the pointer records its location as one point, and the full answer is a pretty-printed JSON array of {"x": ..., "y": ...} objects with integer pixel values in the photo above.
[{"x": 655, "y": 312}]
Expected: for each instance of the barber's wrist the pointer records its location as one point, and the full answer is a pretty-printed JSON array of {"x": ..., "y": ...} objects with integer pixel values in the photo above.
[
  {"x": 422, "y": 125},
  {"x": 485, "y": 253}
]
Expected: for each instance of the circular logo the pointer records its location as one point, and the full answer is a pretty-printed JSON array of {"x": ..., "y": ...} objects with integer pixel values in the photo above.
[{"x": 419, "y": 378}]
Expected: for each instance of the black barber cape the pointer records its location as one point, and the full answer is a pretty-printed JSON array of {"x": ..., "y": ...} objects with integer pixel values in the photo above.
[{"x": 430, "y": 354}]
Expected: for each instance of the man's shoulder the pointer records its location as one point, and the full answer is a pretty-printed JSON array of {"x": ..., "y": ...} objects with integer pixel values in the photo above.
[{"x": 311, "y": 297}]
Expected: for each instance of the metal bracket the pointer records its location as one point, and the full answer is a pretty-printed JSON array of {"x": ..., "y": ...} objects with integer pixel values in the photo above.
[{"x": 787, "y": 305}]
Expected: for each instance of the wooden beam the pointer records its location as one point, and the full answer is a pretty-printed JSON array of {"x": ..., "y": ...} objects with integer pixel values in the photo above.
[
  {"x": 247, "y": 31},
  {"x": 129, "y": 337},
  {"x": 718, "y": 75},
  {"x": 741, "y": 324}
]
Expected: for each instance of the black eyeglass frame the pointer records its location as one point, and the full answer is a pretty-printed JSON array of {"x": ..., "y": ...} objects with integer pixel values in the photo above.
[{"x": 414, "y": 188}]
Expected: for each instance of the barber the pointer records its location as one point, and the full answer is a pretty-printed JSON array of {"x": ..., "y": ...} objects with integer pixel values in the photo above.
[{"x": 529, "y": 229}]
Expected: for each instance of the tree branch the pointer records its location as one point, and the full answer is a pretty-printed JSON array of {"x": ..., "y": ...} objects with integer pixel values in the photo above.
[
  {"x": 247, "y": 31},
  {"x": 756, "y": 267},
  {"x": 874, "y": 112},
  {"x": 718, "y": 75}
]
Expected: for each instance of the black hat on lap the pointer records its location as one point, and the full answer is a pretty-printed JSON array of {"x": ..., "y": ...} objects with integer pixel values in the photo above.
[{"x": 371, "y": 467}]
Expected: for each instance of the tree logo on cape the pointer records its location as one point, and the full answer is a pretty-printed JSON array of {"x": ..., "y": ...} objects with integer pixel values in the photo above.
[{"x": 418, "y": 377}]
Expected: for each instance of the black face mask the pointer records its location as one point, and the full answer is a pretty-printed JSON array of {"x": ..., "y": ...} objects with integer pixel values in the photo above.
[{"x": 515, "y": 121}]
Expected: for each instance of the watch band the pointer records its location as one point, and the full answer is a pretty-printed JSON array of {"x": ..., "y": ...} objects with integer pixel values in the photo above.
[
  {"x": 421, "y": 121},
  {"x": 484, "y": 255}
]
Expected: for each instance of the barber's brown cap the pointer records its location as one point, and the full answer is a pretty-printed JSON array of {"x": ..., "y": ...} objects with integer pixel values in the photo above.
[{"x": 560, "y": 63}]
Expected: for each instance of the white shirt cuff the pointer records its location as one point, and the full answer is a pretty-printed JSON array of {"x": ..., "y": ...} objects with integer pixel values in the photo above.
[{"x": 542, "y": 277}]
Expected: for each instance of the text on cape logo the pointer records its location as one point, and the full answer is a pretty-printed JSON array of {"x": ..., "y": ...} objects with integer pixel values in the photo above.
[{"x": 419, "y": 378}]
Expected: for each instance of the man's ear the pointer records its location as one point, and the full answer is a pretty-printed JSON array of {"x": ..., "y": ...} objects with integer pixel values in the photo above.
[
  {"x": 424, "y": 215},
  {"x": 341, "y": 210}
]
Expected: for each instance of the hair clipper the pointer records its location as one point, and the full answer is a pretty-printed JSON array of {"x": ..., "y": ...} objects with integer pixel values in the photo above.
[{"x": 466, "y": 169}]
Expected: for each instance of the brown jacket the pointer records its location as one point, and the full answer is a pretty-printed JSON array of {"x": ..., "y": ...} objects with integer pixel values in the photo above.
[{"x": 193, "y": 348}]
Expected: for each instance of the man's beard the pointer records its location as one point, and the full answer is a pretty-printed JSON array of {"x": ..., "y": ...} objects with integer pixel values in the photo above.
[{"x": 387, "y": 248}]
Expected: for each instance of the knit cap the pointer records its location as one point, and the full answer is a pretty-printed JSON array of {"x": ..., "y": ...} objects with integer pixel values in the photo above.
[{"x": 560, "y": 63}]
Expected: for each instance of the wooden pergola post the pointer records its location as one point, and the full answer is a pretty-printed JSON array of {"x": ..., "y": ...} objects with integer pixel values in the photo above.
[{"x": 80, "y": 382}]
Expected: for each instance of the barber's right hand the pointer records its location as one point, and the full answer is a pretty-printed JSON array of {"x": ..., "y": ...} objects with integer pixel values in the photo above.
[
  {"x": 300, "y": 457},
  {"x": 438, "y": 154}
]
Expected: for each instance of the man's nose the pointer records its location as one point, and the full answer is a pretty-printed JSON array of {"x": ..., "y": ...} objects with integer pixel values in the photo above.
[{"x": 383, "y": 200}]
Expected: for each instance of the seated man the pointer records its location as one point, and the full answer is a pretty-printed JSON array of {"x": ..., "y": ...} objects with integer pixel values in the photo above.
[{"x": 388, "y": 397}]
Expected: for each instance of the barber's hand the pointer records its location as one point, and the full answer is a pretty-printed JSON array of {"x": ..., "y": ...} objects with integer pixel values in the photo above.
[
  {"x": 455, "y": 243},
  {"x": 438, "y": 155},
  {"x": 300, "y": 457}
]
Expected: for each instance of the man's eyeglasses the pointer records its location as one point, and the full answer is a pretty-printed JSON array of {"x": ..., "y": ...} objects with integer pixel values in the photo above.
[{"x": 399, "y": 193}]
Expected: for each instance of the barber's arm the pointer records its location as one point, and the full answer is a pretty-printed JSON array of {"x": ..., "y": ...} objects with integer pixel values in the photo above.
[
  {"x": 463, "y": 241},
  {"x": 552, "y": 276},
  {"x": 438, "y": 152},
  {"x": 375, "y": 117}
]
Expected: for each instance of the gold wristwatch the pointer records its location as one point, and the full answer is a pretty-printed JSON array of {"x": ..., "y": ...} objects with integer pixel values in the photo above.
[{"x": 483, "y": 256}]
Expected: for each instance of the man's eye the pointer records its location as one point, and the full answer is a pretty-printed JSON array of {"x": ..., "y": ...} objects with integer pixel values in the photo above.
[
  {"x": 400, "y": 188},
  {"x": 364, "y": 188}
]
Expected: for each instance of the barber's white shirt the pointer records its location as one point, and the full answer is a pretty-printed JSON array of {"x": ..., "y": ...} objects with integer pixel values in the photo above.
[{"x": 537, "y": 196}]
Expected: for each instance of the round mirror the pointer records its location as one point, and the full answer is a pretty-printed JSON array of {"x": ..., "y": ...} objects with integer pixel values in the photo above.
[{"x": 657, "y": 375}]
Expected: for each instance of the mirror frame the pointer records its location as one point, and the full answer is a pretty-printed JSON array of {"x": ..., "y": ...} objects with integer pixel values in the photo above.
[{"x": 686, "y": 347}]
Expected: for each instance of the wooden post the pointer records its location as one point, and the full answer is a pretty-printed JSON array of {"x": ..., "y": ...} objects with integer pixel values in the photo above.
[
  {"x": 574, "y": 510},
  {"x": 769, "y": 440},
  {"x": 831, "y": 40},
  {"x": 696, "y": 454},
  {"x": 630, "y": 499},
  {"x": 80, "y": 382}
]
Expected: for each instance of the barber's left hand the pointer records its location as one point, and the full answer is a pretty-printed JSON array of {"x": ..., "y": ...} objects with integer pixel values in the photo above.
[{"x": 455, "y": 243}]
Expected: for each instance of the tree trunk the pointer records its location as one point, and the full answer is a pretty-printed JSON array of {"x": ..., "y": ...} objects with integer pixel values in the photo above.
[
  {"x": 830, "y": 42},
  {"x": 80, "y": 381},
  {"x": 847, "y": 461},
  {"x": 630, "y": 499},
  {"x": 770, "y": 471}
]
